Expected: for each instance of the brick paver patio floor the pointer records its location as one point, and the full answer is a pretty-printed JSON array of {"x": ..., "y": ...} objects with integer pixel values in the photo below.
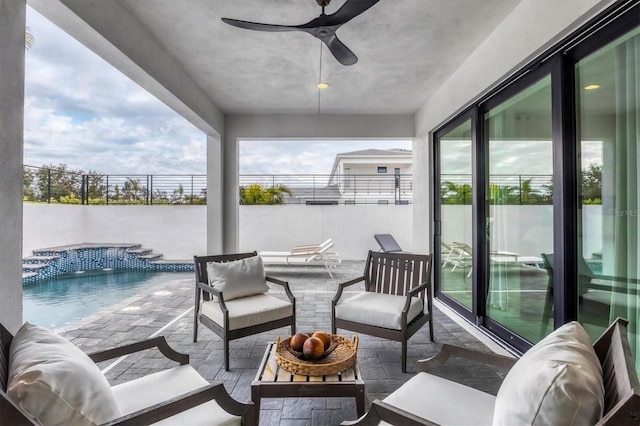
[{"x": 168, "y": 310}]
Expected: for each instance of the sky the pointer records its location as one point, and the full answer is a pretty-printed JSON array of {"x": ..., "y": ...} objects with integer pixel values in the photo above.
[{"x": 82, "y": 112}]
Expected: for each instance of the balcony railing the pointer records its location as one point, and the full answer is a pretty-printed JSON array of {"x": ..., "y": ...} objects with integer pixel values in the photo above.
[{"x": 54, "y": 186}]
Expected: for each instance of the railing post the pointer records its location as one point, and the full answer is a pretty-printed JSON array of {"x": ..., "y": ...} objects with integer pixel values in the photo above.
[
  {"x": 520, "y": 188},
  {"x": 84, "y": 189},
  {"x": 149, "y": 196},
  {"x": 192, "y": 195},
  {"x": 107, "y": 191},
  {"x": 49, "y": 186}
]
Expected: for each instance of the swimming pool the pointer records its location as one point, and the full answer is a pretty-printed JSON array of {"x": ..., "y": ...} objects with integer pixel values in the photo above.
[{"x": 64, "y": 300}]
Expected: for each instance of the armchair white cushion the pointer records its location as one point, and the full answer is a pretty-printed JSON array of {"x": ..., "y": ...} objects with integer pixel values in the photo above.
[
  {"x": 429, "y": 397},
  {"x": 378, "y": 309},
  {"x": 558, "y": 381},
  {"x": 238, "y": 278},
  {"x": 55, "y": 382},
  {"x": 164, "y": 385},
  {"x": 249, "y": 311}
]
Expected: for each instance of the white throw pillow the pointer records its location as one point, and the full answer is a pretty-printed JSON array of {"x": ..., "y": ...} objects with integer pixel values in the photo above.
[
  {"x": 238, "y": 278},
  {"x": 55, "y": 382},
  {"x": 557, "y": 382}
]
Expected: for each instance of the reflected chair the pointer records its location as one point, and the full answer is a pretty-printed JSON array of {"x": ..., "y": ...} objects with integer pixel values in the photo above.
[
  {"x": 397, "y": 288},
  {"x": 232, "y": 301}
]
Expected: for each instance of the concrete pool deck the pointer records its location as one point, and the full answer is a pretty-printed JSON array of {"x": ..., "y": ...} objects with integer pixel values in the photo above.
[{"x": 168, "y": 310}]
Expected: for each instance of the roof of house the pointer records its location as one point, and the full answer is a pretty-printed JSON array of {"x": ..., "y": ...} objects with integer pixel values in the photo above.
[{"x": 372, "y": 152}]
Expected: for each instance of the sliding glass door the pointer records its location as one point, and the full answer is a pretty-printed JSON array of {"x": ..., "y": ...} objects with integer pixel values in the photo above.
[
  {"x": 454, "y": 165},
  {"x": 608, "y": 115},
  {"x": 537, "y": 191},
  {"x": 520, "y": 214}
]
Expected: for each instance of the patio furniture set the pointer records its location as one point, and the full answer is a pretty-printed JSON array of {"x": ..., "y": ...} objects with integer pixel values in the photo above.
[{"x": 44, "y": 379}]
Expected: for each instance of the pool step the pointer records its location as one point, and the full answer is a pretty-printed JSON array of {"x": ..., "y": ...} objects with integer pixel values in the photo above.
[
  {"x": 150, "y": 256},
  {"x": 37, "y": 258},
  {"x": 49, "y": 262}
]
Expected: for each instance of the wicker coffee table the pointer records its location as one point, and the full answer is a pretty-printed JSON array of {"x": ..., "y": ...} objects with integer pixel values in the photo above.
[{"x": 272, "y": 381}]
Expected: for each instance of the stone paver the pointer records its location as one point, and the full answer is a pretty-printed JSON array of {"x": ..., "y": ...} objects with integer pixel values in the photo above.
[{"x": 168, "y": 311}]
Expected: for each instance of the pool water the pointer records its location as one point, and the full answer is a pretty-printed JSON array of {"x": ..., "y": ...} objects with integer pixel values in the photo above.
[{"x": 64, "y": 300}]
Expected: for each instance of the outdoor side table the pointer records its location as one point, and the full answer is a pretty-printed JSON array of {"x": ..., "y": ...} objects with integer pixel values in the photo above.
[{"x": 272, "y": 381}]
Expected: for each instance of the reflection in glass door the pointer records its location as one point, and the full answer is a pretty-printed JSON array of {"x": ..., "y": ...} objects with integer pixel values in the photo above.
[
  {"x": 455, "y": 213},
  {"x": 520, "y": 221},
  {"x": 608, "y": 107}
]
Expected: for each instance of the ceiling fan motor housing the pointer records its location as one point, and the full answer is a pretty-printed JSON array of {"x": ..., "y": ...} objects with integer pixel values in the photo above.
[{"x": 323, "y": 3}]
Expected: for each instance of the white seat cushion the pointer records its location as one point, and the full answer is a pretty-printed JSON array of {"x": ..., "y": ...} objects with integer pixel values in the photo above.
[
  {"x": 164, "y": 385},
  {"x": 443, "y": 401},
  {"x": 55, "y": 382},
  {"x": 556, "y": 382},
  {"x": 380, "y": 310},
  {"x": 248, "y": 311}
]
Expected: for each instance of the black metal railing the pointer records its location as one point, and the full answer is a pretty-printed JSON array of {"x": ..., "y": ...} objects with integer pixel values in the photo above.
[{"x": 50, "y": 185}]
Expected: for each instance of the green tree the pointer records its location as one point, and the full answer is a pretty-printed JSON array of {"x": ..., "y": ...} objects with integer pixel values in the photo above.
[
  {"x": 452, "y": 193},
  {"x": 95, "y": 187},
  {"x": 178, "y": 196},
  {"x": 54, "y": 182},
  {"x": 592, "y": 184},
  {"x": 529, "y": 195},
  {"x": 133, "y": 191},
  {"x": 255, "y": 194},
  {"x": 276, "y": 193},
  {"x": 28, "y": 177}
]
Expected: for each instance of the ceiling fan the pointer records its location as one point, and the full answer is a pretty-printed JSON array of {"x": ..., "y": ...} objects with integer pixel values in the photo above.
[{"x": 323, "y": 27}]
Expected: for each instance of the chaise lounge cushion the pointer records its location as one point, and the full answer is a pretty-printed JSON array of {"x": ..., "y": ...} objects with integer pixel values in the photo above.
[
  {"x": 238, "y": 278},
  {"x": 55, "y": 382},
  {"x": 558, "y": 381},
  {"x": 164, "y": 385},
  {"x": 378, "y": 309}
]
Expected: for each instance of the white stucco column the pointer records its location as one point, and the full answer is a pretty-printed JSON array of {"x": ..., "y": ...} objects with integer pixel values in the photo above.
[
  {"x": 12, "y": 28},
  {"x": 215, "y": 213},
  {"x": 231, "y": 220}
]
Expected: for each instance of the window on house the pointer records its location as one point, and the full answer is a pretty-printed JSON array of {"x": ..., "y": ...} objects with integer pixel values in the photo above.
[{"x": 382, "y": 169}]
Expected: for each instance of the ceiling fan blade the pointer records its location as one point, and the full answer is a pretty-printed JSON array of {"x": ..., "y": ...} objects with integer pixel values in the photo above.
[
  {"x": 349, "y": 10},
  {"x": 258, "y": 26},
  {"x": 341, "y": 52}
]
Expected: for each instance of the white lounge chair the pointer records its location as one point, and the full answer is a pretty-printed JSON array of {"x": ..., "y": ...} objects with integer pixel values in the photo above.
[{"x": 311, "y": 254}]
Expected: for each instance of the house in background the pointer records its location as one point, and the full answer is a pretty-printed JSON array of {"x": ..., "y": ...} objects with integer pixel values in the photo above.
[{"x": 368, "y": 176}]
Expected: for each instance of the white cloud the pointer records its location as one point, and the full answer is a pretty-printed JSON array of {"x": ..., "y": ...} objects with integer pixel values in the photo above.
[{"x": 82, "y": 112}]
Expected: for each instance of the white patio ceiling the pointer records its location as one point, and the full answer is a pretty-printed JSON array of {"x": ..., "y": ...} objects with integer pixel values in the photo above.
[{"x": 406, "y": 49}]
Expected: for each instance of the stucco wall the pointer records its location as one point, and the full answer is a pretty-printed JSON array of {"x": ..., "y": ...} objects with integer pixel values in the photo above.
[{"x": 179, "y": 232}]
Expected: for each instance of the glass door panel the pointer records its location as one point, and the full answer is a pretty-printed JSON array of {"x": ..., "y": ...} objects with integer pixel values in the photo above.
[
  {"x": 608, "y": 108},
  {"x": 455, "y": 212},
  {"x": 520, "y": 221}
]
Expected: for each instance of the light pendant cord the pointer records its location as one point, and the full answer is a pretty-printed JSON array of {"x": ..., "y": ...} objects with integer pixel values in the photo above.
[{"x": 320, "y": 77}]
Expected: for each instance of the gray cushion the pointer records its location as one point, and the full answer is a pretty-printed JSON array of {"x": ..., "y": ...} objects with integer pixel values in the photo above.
[{"x": 238, "y": 278}]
